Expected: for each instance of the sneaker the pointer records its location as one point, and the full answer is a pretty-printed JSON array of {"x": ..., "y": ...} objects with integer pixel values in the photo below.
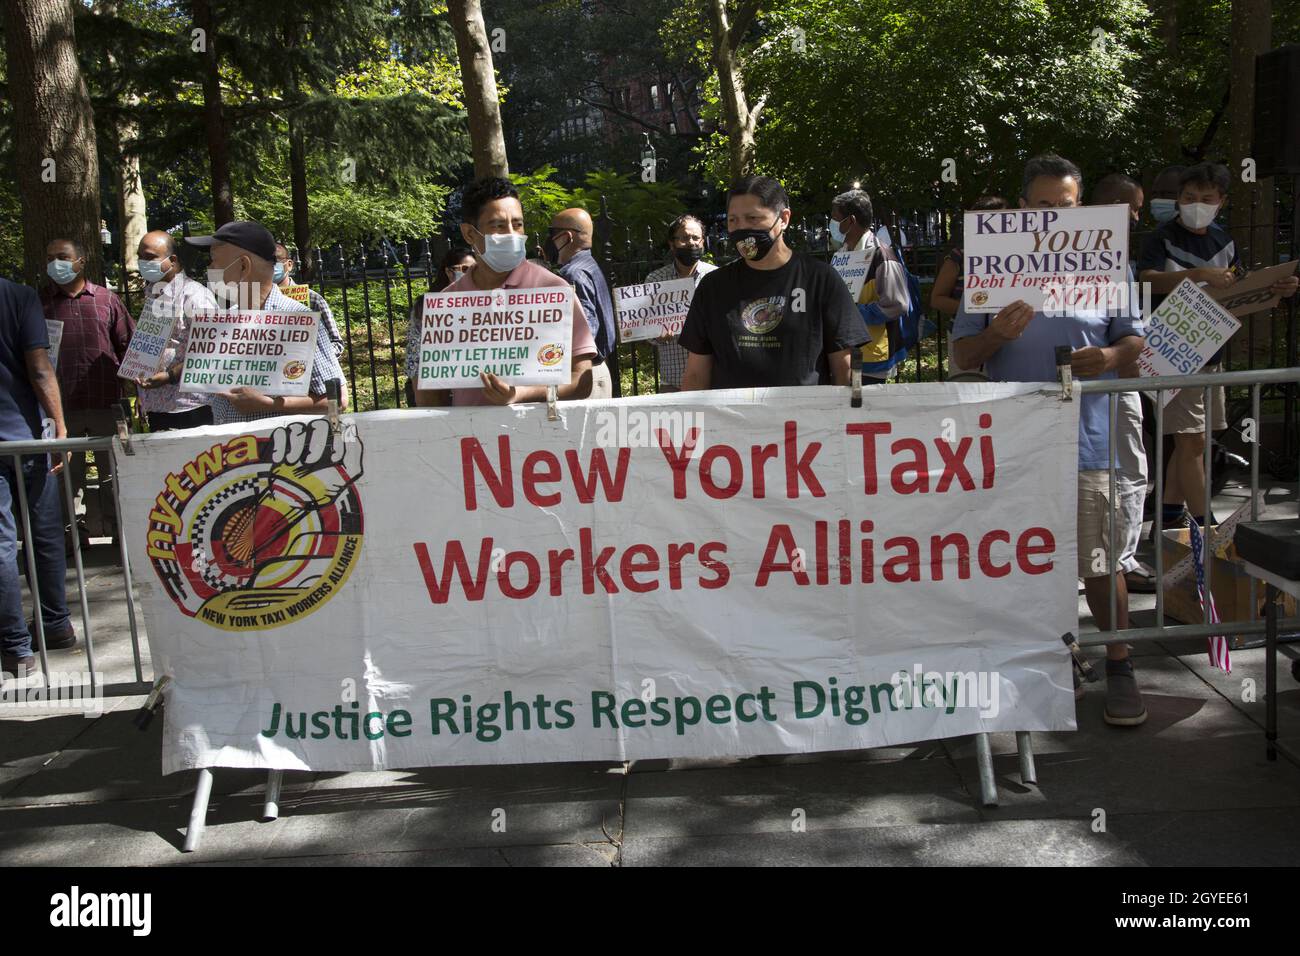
[
  {"x": 17, "y": 667},
  {"x": 1142, "y": 580},
  {"x": 1124, "y": 707},
  {"x": 55, "y": 640}
]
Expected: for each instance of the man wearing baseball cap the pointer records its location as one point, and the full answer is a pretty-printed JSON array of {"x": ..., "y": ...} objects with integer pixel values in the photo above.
[{"x": 242, "y": 276}]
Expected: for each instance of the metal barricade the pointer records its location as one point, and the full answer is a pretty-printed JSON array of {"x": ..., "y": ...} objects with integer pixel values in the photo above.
[
  {"x": 12, "y": 454},
  {"x": 1254, "y": 381}
]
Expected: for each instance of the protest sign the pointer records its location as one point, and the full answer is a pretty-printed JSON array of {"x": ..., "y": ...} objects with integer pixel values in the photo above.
[
  {"x": 1183, "y": 333},
  {"x": 1056, "y": 260},
  {"x": 1254, "y": 292},
  {"x": 737, "y": 572},
  {"x": 852, "y": 267},
  {"x": 54, "y": 329},
  {"x": 153, "y": 331},
  {"x": 652, "y": 309},
  {"x": 299, "y": 293},
  {"x": 521, "y": 335},
  {"x": 269, "y": 351}
]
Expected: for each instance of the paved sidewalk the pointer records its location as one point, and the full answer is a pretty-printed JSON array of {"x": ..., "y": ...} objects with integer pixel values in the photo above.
[{"x": 1191, "y": 786}]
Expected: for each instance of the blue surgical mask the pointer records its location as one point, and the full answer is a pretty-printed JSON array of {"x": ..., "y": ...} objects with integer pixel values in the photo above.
[
  {"x": 502, "y": 252},
  {"x": 61, "y": 271},
  {"x": 1162, "y": 210},
  {"x": 152, "y": 270},
  {"x": 279, "y": 272}
]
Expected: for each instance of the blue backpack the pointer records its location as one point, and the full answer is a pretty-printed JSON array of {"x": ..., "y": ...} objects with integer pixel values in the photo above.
[{"x": 913, "y": 324}]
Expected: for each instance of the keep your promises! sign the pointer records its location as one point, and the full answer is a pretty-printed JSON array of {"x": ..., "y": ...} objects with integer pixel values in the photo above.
[
  {"x": 269, "y": 351},
  {"x": 1057, "y": 260},
  {"x": 520, "y": 335},
  {"x": 652, "y": 309}
]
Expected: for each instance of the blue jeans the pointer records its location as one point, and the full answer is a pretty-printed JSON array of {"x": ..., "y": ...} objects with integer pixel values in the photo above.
[{"x": 47, "y": 540}]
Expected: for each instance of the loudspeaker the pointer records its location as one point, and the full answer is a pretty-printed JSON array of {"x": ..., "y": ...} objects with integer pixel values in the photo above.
[{"x": 1277, "y": 112}]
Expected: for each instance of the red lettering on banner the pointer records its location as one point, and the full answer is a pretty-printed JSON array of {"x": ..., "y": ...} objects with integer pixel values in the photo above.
[
  {"x": 629, "y": 566},
  {"x": 721, "y": 571},
  {"x": 1025, "y": 550},
  {"x": 439, "y": 587},
  {"x": 780, "y": 536},
  {"x": 868, "y": 432},
  {"x": 499, "y": 483},
  {"x": 736, "y": 472},
  {"x": 919, "y": 465},
  {"x": 800, "y": 466},
  {"x": 937, "y": 544},
  {"x": 954, "y": 464},
  {"x": 986, "y": 450},
  {"x": 986, "y": 554},
  {"x": 594, "y": 567},
  {"x": 759, "y": 455},
  {"x": 678, "y": 461},
  {"x": 534, "y": 575},
  {"x": 676, "y": 552},
  {"x": 534, "y": 475},
  {"x": 585, "y": 485},
  {"x": 906, "y": 566}
]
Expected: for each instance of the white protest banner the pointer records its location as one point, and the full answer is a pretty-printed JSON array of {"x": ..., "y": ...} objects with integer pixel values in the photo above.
[
  {"x": 520, "y": 335},
  {"x": 852, "y": 267},
  {"x": 737, "y": 572},
  {"x": 652, "y": 309},
  {"x": 153, "y": 331},
  {"x": 1254, "y": 293},
  {"x": 269, "y": 351},
  {"x": 1183, "y": 333},
  {"x": 54, "y": 329},
  {"x": 1058, "y": 260}
]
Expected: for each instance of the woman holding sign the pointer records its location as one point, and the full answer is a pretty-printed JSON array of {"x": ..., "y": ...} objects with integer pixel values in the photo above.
[{"x": 686, "y": 243}]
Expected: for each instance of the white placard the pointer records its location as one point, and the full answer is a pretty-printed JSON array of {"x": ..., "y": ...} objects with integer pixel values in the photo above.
[
  {"x": 54, "y": 329},
  {"x": 269, "y": 351},
  {"x": 153, "y": 333},
  {"x": 653, "y": 309},
  {"x": 524, "y": 336},
  {"x": 852, "y": 267},
  {"x": 1062, "y": 260},
  {"x": 1183, "y": 333}
]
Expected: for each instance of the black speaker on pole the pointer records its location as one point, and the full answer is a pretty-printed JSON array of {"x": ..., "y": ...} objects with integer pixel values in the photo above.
[{"x": 1277, "y": 112}]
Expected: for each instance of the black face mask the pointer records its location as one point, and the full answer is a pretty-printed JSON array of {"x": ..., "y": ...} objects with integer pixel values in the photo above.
[
  {"x": 753, "y": 244},
  {"x": 550, "y": 251},
  {"x": 688, "y": 255}
]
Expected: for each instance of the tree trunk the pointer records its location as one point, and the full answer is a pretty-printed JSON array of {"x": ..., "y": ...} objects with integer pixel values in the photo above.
[
  {"x": 1170, "y": 138},
  {"x": 132, "y": 210},
  {"x": 739, "y": 118},
  {"x": 54, "y": 130},
  {"x": 298, "y": 190},
  {"x": 214, "y": 121},
  {"x": 1251, "y": 35},
  {"x": 487, "y": 141}
]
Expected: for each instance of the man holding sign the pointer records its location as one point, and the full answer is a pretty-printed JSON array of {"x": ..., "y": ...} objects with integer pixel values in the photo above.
[
  {"x": 1018, "y": 344},
  {"x": 686, "y": 243},
  {"x": 171, "y": 298},
  {"x": 242, "y": 277},
  {"x": 492, "y": 224}
]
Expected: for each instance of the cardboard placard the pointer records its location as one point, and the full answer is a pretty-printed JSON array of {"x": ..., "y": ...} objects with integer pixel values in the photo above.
[
  {"x": 1253, "y": 293},
  {"x": 1184, "y": 332}
]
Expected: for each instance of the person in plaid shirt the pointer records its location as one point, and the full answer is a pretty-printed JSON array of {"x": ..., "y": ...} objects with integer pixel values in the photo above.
[
  {"x": 242, "y": 276},
  {"x": 686, "y": 243},
  {"x": 97, "y": 330}
]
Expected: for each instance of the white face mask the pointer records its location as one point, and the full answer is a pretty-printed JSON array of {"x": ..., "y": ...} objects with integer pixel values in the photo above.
[
  {"x": 226, "y": 293},
  {"x": 1197, "y": 215},
  {"x": 502, "y": 252}
]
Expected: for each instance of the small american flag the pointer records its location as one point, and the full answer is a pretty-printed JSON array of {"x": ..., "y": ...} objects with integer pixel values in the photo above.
[{"x": 1218, "y": 643}]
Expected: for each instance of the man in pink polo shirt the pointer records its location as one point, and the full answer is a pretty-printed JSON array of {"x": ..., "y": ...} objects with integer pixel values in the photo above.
[{"x": 492, "y": 224}]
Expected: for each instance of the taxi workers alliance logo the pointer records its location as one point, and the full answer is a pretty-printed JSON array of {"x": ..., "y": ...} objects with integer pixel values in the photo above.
[
  {"x": 550, "y": 355},
  {"x": 255, "y": 532},
  {"x": 763, "y": 315}
]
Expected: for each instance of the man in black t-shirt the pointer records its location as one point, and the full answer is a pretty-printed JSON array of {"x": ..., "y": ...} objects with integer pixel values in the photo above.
[{"x": 773, "y": 317}]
